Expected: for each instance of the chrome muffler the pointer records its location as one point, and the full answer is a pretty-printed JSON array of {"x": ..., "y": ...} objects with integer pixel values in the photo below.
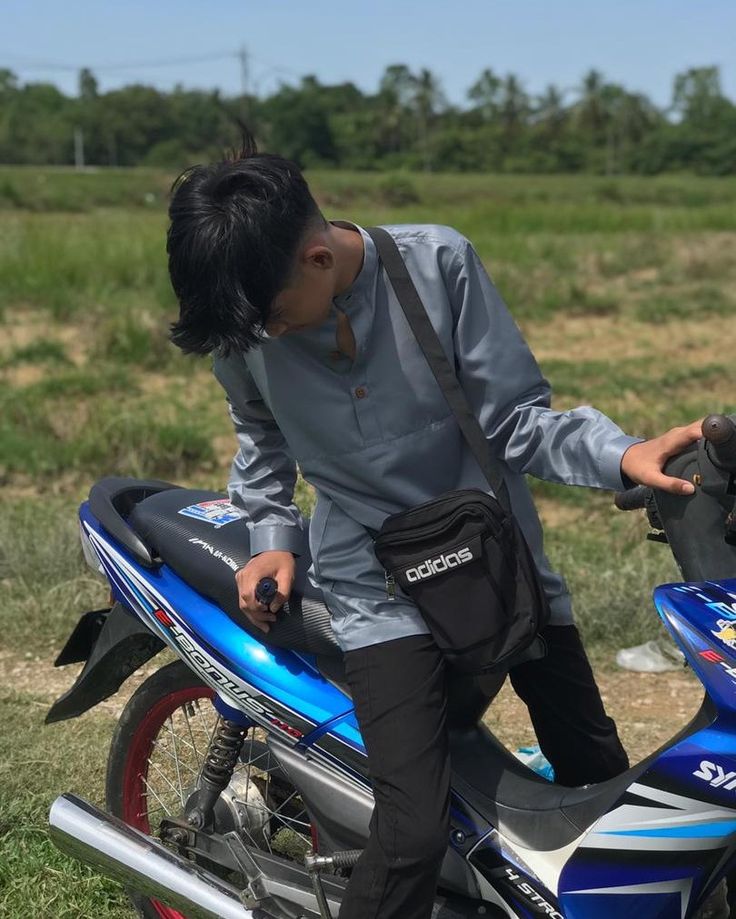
[{"x": 124, "y": 854}]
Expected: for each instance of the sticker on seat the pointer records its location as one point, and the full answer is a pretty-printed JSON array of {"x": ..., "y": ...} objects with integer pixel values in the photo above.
[{"x": 217, "y": 512}]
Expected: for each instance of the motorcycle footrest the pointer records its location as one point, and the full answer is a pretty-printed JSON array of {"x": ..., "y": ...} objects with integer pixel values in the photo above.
[{"x": 345, "y": 859}]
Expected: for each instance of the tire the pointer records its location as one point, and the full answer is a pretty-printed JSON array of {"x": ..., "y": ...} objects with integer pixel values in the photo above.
[
  {"x": 147, "y": 711},
  {"x": 275, "y": 817}
]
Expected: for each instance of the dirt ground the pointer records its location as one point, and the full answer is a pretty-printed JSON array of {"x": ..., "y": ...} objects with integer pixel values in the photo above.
[{"x": 648, "y": 708}]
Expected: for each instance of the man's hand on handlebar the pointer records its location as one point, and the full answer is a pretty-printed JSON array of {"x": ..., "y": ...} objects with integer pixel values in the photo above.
[
  {"x": 643, "y": 463},
  {"x": 273, "y": 564}
]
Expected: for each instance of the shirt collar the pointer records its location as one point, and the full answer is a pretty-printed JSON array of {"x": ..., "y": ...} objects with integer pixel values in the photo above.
[{"x": 363, "y": 283}]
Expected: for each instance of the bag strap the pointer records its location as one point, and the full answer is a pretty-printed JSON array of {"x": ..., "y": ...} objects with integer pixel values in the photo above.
[{"x": 443, "y": 371}]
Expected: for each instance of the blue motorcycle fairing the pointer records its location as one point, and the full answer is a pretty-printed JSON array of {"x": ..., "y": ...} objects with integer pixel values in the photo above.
[
  {"x": 239, "y": 667},
  {"x": 672, "y": 836},
  {"x": 702, "y": 618}
]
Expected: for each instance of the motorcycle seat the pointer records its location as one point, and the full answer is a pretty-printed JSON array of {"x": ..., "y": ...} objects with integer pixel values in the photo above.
[
  {"x": 527, "y": 809},
  {"x": 206, "y": 556}
]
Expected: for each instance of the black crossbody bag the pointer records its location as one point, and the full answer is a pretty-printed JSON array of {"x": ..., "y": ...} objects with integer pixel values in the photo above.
[{"x": 462, "y": 557}]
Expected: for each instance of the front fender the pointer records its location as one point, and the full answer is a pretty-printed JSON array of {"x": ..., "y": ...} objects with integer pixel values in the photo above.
[{"x": 114, "y": 643}]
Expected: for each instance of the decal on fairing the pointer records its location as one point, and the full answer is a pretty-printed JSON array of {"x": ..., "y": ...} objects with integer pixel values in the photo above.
[
  {"x": 720, "y": 601},
  {"x": 531, "y": 895},
  {"x": 505, "y": 880},
  {"x": 686, "y": 824},
  {"x": 716, "y": 776},
  {"x": 713, "y": 657},
  {"x": 679, "y": 889},
  {"x": 725, "y": 633}
]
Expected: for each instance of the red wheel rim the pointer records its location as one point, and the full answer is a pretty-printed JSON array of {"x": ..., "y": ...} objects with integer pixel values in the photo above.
[{"x": 135, "y": 773}]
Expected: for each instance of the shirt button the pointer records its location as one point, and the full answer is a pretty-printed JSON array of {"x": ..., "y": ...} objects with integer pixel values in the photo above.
[{"x": 360, "y": 392}]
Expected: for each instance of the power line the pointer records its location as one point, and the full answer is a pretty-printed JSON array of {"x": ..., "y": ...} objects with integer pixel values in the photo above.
[
  {"x": 241, "y": 54},
  {"x": 106, "y": 68}
]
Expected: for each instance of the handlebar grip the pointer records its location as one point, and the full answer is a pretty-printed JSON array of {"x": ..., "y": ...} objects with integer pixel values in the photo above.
[
  {"x": 720, "y": 432},
  {"x": 266, "y": 590},
  {"x": 632, "y": 500}
]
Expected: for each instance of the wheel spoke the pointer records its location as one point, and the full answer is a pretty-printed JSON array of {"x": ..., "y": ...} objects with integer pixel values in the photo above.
[
  {"x": 161, "y": 749},
  {"x": 176, "y": 761},
  {"x": 191, "y": 736},
  {"x": 163, "y": 775},
  {"x": 162, "y": 806}
]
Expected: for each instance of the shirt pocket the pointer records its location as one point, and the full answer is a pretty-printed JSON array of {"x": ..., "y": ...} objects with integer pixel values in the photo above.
[{"x": 317, "y": 527}]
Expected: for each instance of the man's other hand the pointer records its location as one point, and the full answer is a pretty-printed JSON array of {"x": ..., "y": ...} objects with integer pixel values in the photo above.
[
  {"x": 276, "y": 565},
  {"x": 643, "y": 463}
]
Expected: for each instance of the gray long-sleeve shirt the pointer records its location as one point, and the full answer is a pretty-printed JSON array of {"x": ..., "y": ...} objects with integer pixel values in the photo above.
[{"x": 375, "y": 436}]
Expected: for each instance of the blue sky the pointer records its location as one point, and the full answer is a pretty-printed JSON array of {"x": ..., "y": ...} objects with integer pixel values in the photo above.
[{"x": 640, "y": 43}]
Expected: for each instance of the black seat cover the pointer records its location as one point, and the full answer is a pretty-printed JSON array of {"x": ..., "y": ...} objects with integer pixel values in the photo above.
[
  {"x": 206, "y": 556},
  {"x": 528, "y": 809}
]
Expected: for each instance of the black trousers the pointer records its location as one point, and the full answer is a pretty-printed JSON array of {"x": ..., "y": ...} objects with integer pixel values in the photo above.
[{"x": 400, "y": 699}]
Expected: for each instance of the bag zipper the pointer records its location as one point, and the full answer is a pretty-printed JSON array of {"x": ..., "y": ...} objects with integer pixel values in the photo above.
[
  {"x": 437, "y": 502},
  {"x": 394, "y": 539}
]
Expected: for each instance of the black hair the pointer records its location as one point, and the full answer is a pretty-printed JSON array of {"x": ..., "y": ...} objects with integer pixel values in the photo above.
[{"x": 234, "y": 234}]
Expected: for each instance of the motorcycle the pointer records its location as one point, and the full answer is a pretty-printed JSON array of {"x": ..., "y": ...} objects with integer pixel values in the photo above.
[{"x": 237, "y": 782}]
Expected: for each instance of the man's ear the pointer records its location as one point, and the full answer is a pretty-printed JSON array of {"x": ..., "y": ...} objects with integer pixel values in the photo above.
[{"x": 318, "y": 256}]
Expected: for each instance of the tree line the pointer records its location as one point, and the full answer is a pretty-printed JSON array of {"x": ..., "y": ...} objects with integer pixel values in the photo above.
[{"x": 598, "y": 126}]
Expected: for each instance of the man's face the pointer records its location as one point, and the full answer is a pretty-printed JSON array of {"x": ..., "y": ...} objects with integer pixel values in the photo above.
[{"x": 307, "y": 301}]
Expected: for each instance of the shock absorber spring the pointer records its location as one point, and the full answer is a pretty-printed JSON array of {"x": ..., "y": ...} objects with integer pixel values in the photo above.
[
  {"x": 222, "y": 755},
  {"x": 219, "y": 764}
]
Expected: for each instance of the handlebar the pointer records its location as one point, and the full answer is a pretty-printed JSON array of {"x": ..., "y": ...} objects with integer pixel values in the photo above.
[
  {"x": 266, "y": 590},
  {"x": 720, "y": 434},
  {"x": 634, "y": 499},
  {"x": 699, "y": 528}
]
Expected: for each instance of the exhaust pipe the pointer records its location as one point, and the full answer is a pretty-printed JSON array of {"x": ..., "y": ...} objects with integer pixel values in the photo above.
[{"x": 127, "y": 855}]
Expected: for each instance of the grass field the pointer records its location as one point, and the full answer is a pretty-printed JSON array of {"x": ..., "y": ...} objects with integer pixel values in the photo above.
[{"x": 625, "y": 288}]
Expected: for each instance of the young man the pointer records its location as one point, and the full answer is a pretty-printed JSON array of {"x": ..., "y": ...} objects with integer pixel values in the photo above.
[{"x": 320, "y": 369}]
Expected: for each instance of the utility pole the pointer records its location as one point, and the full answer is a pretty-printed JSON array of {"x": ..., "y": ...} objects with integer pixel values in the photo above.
[
  {"x": 244, "y": 79},
  {"x": 78, "y": 148}
]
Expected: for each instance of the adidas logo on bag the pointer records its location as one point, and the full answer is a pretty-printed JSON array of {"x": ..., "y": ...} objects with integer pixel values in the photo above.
[{"x": 437, "y": 565}]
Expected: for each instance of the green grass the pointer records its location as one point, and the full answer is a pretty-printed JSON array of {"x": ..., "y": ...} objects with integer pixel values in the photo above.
[
  {"x": 539, "y": 238},
  {"x": 37, "y": 763},
  {"x": 611, "y": 570},
  {"x": 59, "y": 189},
  {"x": 85, "y": 263},
  {"x": 44, "y": 583},
  {"x": 83, "y": 421},
  {"x": 697, "y": 302},
  {"x": 41, "y": 351},
  {"x": 63, "y": 189}
]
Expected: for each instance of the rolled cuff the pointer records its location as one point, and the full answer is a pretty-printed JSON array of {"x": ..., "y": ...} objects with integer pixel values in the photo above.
[
  {"x": 609, "y": 462},
  {"x": 276, "y": 538}
]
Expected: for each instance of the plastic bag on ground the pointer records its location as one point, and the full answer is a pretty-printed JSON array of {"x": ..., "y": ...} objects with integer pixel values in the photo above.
[
  {"x": 651, "y": 657},
  {"x": 534, "y": 759}
]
